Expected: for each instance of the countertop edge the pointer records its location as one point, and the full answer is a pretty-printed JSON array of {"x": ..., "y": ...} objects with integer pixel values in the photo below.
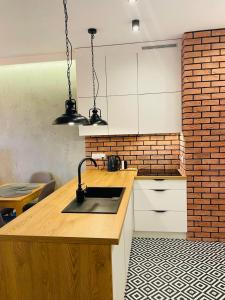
[{"x": 67, "y": 240}]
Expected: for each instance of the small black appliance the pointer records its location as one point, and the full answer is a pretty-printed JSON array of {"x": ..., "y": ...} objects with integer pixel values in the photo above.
[{"x": 114, "y": 163}]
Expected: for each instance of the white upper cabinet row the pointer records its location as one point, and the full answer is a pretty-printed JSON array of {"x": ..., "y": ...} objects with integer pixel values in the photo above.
[{"x": 139, "y": 88}]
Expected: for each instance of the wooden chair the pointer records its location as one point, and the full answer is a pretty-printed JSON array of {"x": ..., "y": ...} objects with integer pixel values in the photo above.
[
  {"x": 6, "y": 211},
  {"x": 47, "y": 190},
  {"x": 41, "y": 177}
]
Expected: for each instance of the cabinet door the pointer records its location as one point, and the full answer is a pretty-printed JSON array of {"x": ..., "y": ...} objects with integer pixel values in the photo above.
[
  {"x": 84, "y": 104},
  {"x": 159, "y": 69},
  {"x": 118, "y": 269},
  {"x": 121, "y": 254},
  {"x": 123, "y": 114},
  {"x": 121, "y": 69},
  {"x": 128, "y": 230},
  {"x": 160, "y": 113},
  {"x": 84, "y": 72}
]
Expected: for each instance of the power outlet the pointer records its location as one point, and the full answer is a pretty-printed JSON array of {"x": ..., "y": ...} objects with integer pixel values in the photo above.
[{"x": 98, "y": 155}]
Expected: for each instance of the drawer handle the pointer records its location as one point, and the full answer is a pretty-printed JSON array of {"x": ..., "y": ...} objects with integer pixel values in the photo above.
[
  {"x": 159, "y": 179},
  {"x": 159, "y": 190},
  {"x": 160, "y": 211}
]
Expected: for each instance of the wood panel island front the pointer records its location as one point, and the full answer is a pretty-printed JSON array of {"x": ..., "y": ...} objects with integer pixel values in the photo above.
[{"x": 45, "y": 254}]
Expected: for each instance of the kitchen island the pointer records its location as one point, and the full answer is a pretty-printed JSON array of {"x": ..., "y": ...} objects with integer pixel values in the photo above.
[{"x": 45, "y": 254}]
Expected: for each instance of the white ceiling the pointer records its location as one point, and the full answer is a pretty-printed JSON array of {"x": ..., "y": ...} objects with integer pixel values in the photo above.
[{"x": 34, "y": 27}]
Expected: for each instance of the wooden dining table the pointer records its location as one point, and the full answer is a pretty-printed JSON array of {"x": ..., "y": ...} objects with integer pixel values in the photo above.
[{"x": 18, "y": 202}]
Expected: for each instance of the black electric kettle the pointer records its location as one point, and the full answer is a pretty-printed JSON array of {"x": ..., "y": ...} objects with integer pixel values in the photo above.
[{"x": 114, "y": 163}]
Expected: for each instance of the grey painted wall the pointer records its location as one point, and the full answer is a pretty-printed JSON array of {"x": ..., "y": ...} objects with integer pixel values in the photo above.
[{"x": 31, "y": 97}]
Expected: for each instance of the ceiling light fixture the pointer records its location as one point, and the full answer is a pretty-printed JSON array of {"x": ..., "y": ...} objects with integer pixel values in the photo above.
[
  {"x": 135, "y": 25},
  {"x": 95, "y": 114},
  {"x": 132, "y": 1},
  {"x": 71, "y": 116}
]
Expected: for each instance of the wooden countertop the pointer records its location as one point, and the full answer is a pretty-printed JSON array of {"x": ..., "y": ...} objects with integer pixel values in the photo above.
[
  {"x": 169, "y": 177},
  {"x": 46, "y": 222}
]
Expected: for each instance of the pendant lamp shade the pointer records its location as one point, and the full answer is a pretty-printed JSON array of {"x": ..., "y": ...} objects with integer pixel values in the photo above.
[
  {"x": 71, "y": 115},
  {"x": 96, "y": 119}
]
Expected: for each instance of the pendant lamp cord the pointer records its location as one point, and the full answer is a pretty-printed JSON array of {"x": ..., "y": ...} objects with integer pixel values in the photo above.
[
  {"x": 94, "y": 74},
  {"x": 69, "y": 51}
]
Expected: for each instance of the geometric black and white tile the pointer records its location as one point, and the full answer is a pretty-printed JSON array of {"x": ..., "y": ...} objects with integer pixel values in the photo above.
[{"x": 174, "y": 269}]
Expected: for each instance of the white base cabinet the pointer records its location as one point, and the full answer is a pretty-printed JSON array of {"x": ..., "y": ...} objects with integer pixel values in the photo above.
[
  {"x": 119, "y": 269},
  {"x": 121, "y": 254},
  {"x": 161, "y": 221},
  {"x": 160, "y": 205}
]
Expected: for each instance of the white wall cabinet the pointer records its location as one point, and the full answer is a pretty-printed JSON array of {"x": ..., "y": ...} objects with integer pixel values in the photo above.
[
  {"x": 84, "y": 104},
  {"x": 84, "y": 71},
  {"x": 121, "y": 254},
  {"x": 123, "y": 114},
  {"x": 159, "y": 69},
  {"x": 160, "y": 205},
  {"x": 160, "y": 113},
  {"x": 121, "y": 69}
]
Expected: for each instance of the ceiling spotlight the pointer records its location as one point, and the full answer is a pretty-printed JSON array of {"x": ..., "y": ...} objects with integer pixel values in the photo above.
[
  {"x": 132, "y": 1},
  {"x": 135, "y": 25}
]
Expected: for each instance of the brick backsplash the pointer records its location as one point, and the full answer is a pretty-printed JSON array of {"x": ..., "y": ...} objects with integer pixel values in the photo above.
[
  {"x": 204, "y": 132},
  {"x": 140, "y": 151}
]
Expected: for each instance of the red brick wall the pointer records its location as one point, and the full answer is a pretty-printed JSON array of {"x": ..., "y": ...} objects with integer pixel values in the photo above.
[
  {"x": 143, "y": 151},
  {"x": 204, "y": 132}
]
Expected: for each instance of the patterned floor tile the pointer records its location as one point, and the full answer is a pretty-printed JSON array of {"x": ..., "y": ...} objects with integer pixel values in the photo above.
[{"x": 169, "y": 269}]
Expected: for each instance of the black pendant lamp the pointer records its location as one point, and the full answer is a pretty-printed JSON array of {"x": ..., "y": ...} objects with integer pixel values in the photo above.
[
  {"x": 71, "y": 116},
  {"x": 95, "y": 114}
]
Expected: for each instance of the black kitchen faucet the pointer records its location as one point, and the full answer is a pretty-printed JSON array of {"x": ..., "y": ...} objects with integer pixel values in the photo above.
[{"x": 81, "y": 192}]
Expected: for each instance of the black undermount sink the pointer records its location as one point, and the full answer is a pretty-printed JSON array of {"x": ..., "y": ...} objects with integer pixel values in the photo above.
[{"x": 98, "y": 200}]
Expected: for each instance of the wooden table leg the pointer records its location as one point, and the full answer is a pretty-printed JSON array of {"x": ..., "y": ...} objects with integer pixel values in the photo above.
[{"x": 19, "y": 209}]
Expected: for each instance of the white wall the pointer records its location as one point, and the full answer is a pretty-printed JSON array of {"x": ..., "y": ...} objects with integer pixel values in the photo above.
[{"x": 31, "y": 97}]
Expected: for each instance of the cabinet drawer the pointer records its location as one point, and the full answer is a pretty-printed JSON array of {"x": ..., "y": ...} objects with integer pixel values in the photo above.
[
  {"x": 169, "y": 221},
  {"x": 168, "y": 184},
  {"x": 174, "y": 200}
]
